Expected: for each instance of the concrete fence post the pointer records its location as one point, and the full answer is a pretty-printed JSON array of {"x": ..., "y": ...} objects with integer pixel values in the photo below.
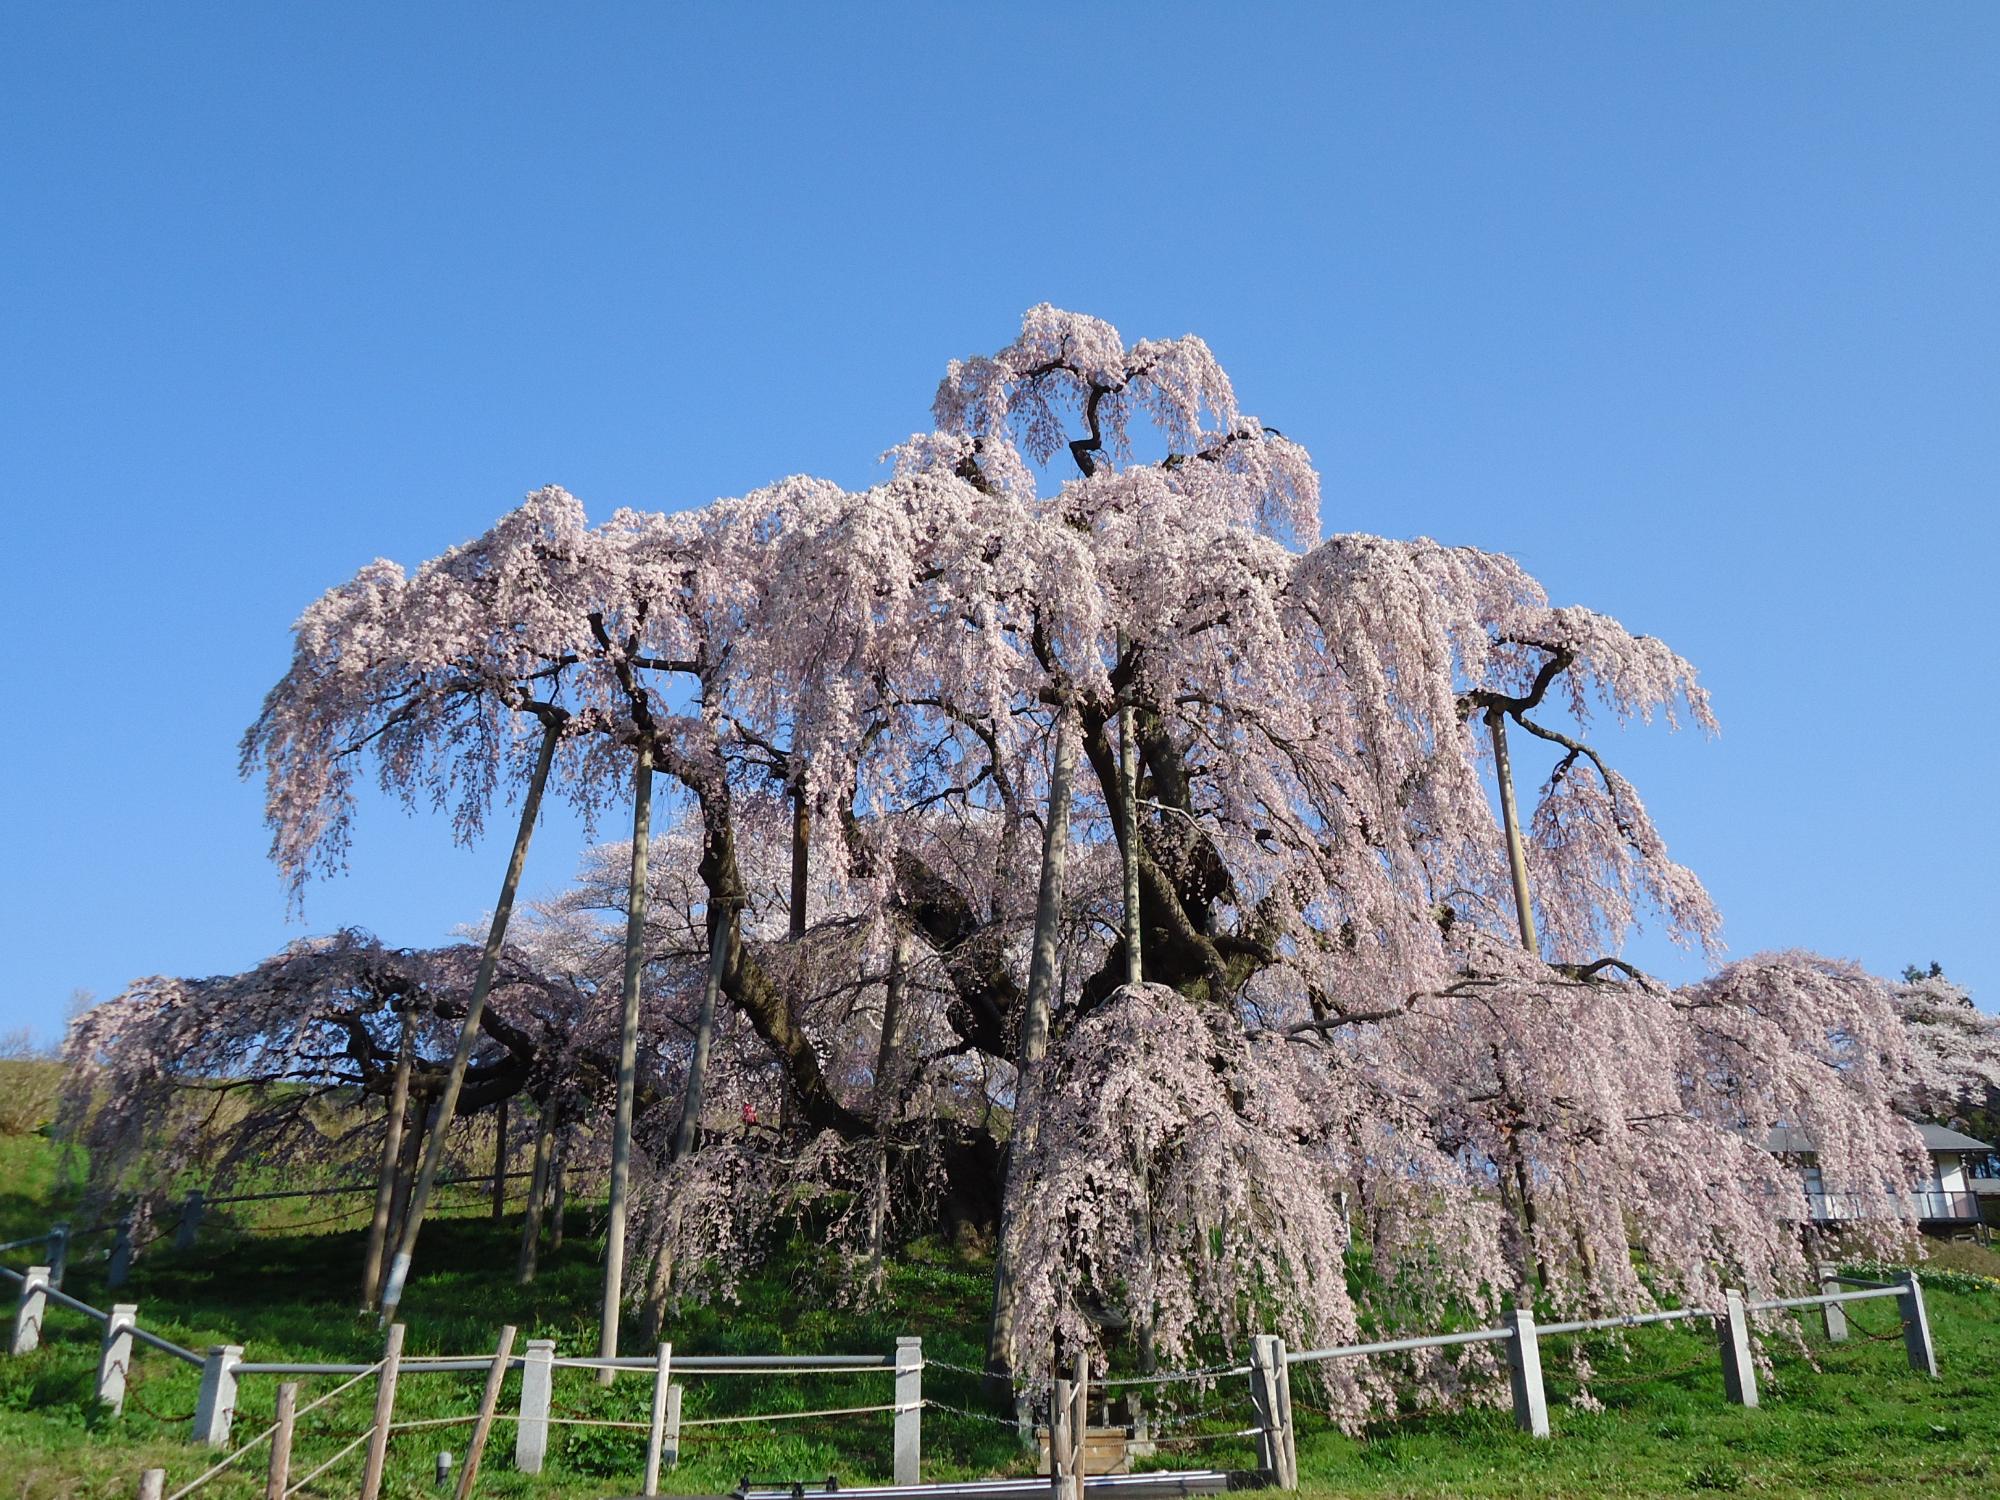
[
  {"x": 215, "y": 1404},
  {"x": 1916, "y": 1327},
  {"x": 30, "y": 1310},
  {"x": 1739, "y": 1371},
  {"x": 531, "y": 1432},
  {"x": 120, "y": 1264},
  {"x": 1524, "y": 1373},
  {"x": 190, "y": 1225},
  {"x": 1834, "y": 1314},
  {"x": 114, "y": 1356},
  {"x": 152, "y": 1484},
  {"x": 670, "y": 1439},
  {"x": 909, "y": 1414},
  {"x": 58, "y": 1253}
]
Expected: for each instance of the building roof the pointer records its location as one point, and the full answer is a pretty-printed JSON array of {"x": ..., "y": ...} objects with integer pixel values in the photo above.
[{"x": 1790, "y": 1140}]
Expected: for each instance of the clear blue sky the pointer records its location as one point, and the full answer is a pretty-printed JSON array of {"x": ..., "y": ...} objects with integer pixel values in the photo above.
[{"x": 1692, "y": 308}]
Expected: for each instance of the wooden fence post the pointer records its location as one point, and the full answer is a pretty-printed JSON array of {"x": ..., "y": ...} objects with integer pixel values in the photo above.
[
  {"x": 1524, "y": 1373},
  {"x": 279, "y": 1475},
  {"x": 385, "y": 1413},
  {"x": 1834, "y": 1314},
  {"x": 1916, "y": 1327},
  {"x": 152, "y": 1484},
  {"x": 1059, "y": 1443},
  {"x": 1739, "y": 1371},
  {"x": 114, "y": 1356},
  {"x": 500, "y": 1161},
  {"x": 215, "y": 1405},
  {"x": 909, "y": 1414},
  {"x": 656, "y": 1430},
  {"x": 30, "y": 1310},
  {"x": 531, "y": 1432},
  {"x": 1268, "y": 1403},
  {"x": 670, "y": 1443},
  {"x": 489, "y": 1403},
  {"x": 190, "y": 1225},
  {"x": 120, "y": 1264}
]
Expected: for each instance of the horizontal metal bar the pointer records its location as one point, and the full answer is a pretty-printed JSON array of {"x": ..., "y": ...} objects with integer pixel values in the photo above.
[
  {"x": 167, "y": 1346},
  {"x": 728, "y": 1364},
  {"x": 57, "y": 1294},
  {"x": 255, "y": 1367},
  {"x": 1824, "y": 1298},
  {"x": 1105, "y": 1486},
  {"x": 1630, "y": 1320},
  {"x": 10, "y": 1271},
  {"x": 33, "y": 1239},
  {"x": 1397, "y": 1346}
]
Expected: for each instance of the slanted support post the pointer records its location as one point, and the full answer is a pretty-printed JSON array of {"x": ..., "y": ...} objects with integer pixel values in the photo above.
[
  {"x": 1916, "y": 1327},
  {"x": 120, "y": 1264},
  {"x": 385, "y": 1413},
  {"x": 58, "y": 1253},
  {"x": 531, "y": 1432},
  {"x": 114, "y": 1355},
  {"x": 1739, "y": 1371},
  {"x": 1833, "y": 1312},
  {"x": 215, "y": 1405},
  {"x": 191, "y": 1211},
  {"x": 1524, "y": 1373},
  {"x": 30, "y": 1310},
  {"x": 278, "y": 1477},
  {"x": 909, "y": 1415}
]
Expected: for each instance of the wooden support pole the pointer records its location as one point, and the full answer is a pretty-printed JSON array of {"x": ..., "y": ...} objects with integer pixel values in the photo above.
[
  {"x": 618, "y": 1209},
  {"x": 385, "y": 1413},
  {"x": 500, "y": 1161},
  {"x": 538, "y": 1187},
  {"x": 388, "y": 1182},
  {"x": 152, "y": 1484},
  {"x": 468, "y": 1032},
  {"x": 656, "y": 1430},
  {"x": 279, "y": 1475},
  {"x": 489, "y": 1403},
  {"x": 58, "y": 1253}
]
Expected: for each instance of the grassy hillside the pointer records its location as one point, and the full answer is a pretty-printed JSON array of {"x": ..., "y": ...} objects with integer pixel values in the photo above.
[{"x": 1851, "y": 1417}]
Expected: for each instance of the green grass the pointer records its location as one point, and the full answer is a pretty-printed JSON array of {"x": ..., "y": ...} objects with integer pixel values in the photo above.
[{"x": 1849, "y": 1419}]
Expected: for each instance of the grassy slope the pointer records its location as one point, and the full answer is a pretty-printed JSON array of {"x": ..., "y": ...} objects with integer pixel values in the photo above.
[{"x": 1862, "y": 1423}]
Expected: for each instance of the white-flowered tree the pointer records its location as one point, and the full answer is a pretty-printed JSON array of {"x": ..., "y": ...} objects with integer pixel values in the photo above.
[{"x": 1065, "y": 838}]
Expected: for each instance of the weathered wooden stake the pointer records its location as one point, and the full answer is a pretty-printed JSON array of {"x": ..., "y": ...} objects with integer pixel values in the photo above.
[
  {"x": 152, "y": 1484},
  {"x": 387, "y": 1183},
  {"x": 538, "y": 1187},
  {"x": 58, "y": 1253},
  {"x": 656, "y": 1431},
  {"x": 468, "y": 1032},
  {"x": 500, "y": 1160},
  {"x": 489, "y": 1403},
  {"x": 279, "y": 1475},
  {"x": 385, "y": 1413},
  {"x": 114, "y": 1356}
]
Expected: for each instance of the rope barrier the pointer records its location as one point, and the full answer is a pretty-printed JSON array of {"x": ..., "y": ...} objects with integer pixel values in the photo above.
[
  {"x": 795, "y": 1416},
  {"x": 294, "y": 1489}
]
